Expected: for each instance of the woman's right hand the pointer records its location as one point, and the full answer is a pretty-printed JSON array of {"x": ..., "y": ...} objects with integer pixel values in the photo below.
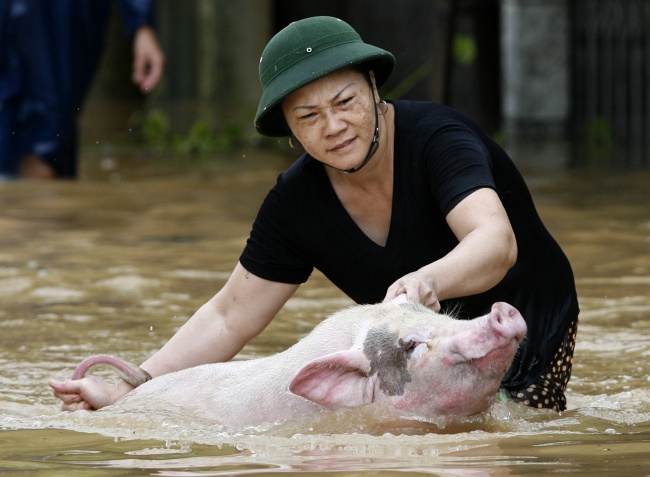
[
  {"x": 89, "y": 393},
  {"x": 237, "y": 313}
]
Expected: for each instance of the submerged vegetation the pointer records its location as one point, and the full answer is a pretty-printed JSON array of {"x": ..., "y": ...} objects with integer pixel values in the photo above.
[{"x": 153, "y": 129}]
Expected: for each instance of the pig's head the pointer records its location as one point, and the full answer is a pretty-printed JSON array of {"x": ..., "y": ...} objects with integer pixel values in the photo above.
[{"x": 418, "y": 361}]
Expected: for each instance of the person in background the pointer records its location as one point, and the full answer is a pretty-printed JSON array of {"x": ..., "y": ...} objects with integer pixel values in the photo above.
[
  {"x": 391, "y": 198},
  {"x": 49, "y": 51}
]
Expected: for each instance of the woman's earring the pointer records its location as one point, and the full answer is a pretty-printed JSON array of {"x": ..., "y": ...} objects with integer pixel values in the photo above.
[
  {"x": 297, "y": 144},
  {"x": 383, "y": 106}
]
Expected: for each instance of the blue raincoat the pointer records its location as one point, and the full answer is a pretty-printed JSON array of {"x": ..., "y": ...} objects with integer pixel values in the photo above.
[{"x": 49, "y": 51}]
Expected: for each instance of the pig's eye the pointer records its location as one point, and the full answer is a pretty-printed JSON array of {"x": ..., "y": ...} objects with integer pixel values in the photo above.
[{"x": 409, "y": 347}]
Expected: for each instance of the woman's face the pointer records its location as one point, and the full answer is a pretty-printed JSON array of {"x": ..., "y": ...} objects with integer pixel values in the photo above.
[{"x": 333, "y": 118}]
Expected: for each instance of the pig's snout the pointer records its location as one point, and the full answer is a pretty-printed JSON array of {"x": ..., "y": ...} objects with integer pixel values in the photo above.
[{"x": 506, "y": 321}]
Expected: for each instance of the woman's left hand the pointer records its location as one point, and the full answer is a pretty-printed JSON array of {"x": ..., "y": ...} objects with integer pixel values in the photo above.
[{"x": 417, "y": 287}]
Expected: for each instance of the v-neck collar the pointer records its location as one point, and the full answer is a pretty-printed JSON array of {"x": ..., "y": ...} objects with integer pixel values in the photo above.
[{"x": 349, "y": 227}]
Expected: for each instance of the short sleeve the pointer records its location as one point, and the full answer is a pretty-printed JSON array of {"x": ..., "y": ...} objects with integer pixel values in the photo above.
[
  {"x": 459, "y": 164},
  {"x": 272, "y": 251}
]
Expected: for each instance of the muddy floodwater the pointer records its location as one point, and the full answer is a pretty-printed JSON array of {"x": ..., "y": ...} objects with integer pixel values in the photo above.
[{"x": 116, "y": 261}]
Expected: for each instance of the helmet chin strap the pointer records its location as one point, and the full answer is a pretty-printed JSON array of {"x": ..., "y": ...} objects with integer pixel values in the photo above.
[{"x": 374, "y": 145}]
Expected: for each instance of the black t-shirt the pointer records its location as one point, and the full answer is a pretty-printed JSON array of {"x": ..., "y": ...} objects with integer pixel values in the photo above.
[{"x": 440, "y": 158}]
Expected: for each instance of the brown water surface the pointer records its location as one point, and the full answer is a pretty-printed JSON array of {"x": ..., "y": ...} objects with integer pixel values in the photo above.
[{"x": 117, "y": 261}]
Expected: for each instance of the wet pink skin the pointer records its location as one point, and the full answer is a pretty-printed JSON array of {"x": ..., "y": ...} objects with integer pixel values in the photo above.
[
  {"x": 399, "y": 355},
  {"x": 473, "y": 356}
]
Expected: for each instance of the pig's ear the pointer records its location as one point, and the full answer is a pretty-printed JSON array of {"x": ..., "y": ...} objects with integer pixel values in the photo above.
[{"x": 337, "y": 380}]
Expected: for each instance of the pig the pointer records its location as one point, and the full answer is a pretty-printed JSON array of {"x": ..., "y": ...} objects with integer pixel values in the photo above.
[{"x": 399, "y": 355}]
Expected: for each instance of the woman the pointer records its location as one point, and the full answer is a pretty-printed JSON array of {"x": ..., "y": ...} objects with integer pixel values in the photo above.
[{"x": 402, "y": 198}]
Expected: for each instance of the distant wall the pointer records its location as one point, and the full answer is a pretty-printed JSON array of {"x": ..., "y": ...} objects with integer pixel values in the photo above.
[
  {"x": 535, "y": 63},
  {"x": 535, "y": 80}
]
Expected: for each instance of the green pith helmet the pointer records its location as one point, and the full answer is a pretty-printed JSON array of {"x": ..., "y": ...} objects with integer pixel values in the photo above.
[{"x": 305, "y": 51}]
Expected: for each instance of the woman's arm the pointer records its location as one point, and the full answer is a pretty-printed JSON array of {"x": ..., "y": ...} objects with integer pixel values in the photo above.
[
  {"x": 221, "y": 327},
  {"x": 216, "y": 332},
  {"x": 487, "y": 249}
]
